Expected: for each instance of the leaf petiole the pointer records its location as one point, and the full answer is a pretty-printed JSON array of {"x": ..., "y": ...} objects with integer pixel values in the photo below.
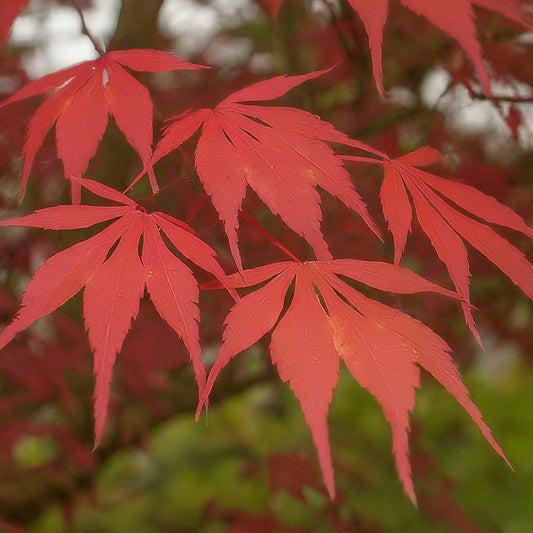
[{"x": 268, "y": 236}]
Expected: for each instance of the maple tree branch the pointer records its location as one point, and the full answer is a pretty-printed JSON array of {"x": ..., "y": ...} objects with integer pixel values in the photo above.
[
  {"x": 511, "y": 99},
  {"x": 129, "y": 33},
  {"x": 85, "y": 29},
  {"x": 267, "y": 235},
  {"x": 386, "y": 122}
]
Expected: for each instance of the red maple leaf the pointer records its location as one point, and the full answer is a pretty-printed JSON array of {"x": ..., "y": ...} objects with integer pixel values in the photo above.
[
  {"x": 115, "y": 284},
  {"x": 278, "y": 151},
  {"x": 28, "y": 380},
  {"x": 328, "y": 319},
  {"x": 446, "y": 226},
  {"x": 104, "y": 87},
  {"x": 292, "y": 472},
  {"x": 454, "y": 17},
  {"x": 9, "y": 11}
]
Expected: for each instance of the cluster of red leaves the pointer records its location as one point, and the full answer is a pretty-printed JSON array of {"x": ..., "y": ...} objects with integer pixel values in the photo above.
[
  {"x": 454, "y": 17},
  {"x": 281, "y": 153}
]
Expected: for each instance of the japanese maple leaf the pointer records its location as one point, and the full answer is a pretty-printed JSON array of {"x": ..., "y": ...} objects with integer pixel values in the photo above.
[
  {"x": 278, "y": 151},
  {"x": 102, "y": 86},
  {"x": 454, "y": 17},
  {"x": 115, "y": 284},
  {"x": 9, "y": 11},
  {"x": 328, "y": 320},
  {"x": 446, "y": 226}
]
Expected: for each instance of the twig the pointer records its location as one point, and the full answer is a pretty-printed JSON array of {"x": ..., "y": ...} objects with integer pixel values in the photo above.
[
  {"x": 512, "y": 99},
  {"x": 85, "y": 29}
]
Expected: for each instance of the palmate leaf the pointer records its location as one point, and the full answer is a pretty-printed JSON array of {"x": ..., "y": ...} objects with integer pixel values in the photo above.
[
  {"x": 102, "y": 86},
  {"x": 446, "y": 226},
  {"x": 280, "y": 152},
  {"x": 115, "y": 283},
  {"x": 382, "y": 347}
]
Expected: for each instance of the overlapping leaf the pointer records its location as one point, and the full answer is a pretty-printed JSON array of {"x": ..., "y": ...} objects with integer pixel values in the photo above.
[
  {"x": 454, "y": 17},
  {"x": 114, "y": 282},
  {"x": 278, "y": 151},
  {"x": 9, "y": 11},
  {"x": 446, "y": 226},
  {"x": 84, "y": 96},
  {"x": 326, "y": 320}
]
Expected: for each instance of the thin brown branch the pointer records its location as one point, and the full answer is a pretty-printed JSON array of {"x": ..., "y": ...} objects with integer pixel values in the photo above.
[
  {"x": 85, "y": 29},
  {"x": 511, "y": 99}
]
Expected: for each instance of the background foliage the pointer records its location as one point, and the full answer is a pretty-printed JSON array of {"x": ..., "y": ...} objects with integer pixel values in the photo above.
[{"x": 250, "y": 465}]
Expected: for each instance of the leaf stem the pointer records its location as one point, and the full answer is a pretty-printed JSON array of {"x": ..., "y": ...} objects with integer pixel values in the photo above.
[
  {"x": 85, "y": 29},
  {"x": 372, "y": 160},
  {"x": 267, "y": 235}
]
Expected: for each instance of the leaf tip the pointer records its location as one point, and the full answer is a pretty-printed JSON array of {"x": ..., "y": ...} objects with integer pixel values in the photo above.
[
  {"x": 204, "y": 402},
  {"x": 330, "y": 487},
  {"x": 97, "y": 437}
]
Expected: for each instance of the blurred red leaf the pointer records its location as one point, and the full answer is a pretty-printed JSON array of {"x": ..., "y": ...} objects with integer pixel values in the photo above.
[
  {"x": 454, "y": 17},
  {"x": 291, "y": 472},
  {"x": 9, "y": 10}
]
